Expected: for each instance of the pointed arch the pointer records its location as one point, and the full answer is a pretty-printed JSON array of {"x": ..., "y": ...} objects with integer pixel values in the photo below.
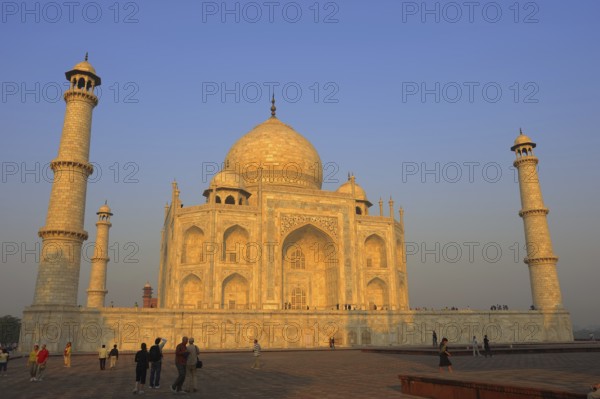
[
  {"x": 191, "y": 291},
  {"x": 235, "y": 292},
  {"x": 375, "y": 252},
  {"x": 377, "y": 294},
  {"x": 310, "y": 260},
  {"x": 235, "y": 242},
  {"x": 193, "y": 240},
  {"x": 365, "y": 337},
  {"x": 230, "y": 200}
]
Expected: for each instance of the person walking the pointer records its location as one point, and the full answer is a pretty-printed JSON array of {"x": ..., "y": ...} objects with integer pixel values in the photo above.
[
  {"x": 444, "y": 356},
  {"x": 181, "y": 355},
  {"x": 67, "y": 355},
  {"x": 4, "y": 361},
  {"x": 102, "y": 354},
  {"x": 141, "y": 369},
  {"x": 42, "y": 360},
  {"x": 190, "y": 368},
  {"x": 113, "y": 355},
  {"x": 475, "y": 346},
  {"x": 32, "y": 362},
  {"x": 256, "y": 350},
  {"x": 486, "y": 347},
  {"x": 155, "y": 356},
  {"x": 434, "y": 338}
]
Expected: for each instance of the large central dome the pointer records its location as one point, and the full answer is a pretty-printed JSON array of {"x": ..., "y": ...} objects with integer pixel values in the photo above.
[{"x": 284, "y": 156}]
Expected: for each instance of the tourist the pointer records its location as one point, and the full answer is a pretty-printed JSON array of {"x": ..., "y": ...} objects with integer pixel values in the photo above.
[
  {"x": 190, "y": 367},
  {"x": 141, "y": 368},
  {"x": 592, "y": 337},
  {"x": 32, "y": 362},
  {"x": 486, "y": 346},
  {"x": 67, "y": 355},
  {"x": 4, "y": 361},
  {"x": 102, "y": 354},
  {"x": 113, "y": 355},
  {"x": 155, "y": 356},
  {"x": 41, "y": 363},
  {"x": 332, "y": 342},
  {"x": 444, "y": 356},
  {"x": 475, "y": 346},
  {"x": 256, "y": 351},
  {"x": 595, "y": 392},
  {"x": 434, "y": 336},
  {"x": 181, "y": 355}
]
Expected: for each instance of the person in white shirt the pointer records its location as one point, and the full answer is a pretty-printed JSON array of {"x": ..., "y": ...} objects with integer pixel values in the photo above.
[{"x": 475, "y": 346}]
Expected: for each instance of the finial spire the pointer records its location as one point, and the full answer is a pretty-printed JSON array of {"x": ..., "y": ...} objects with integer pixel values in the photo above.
[
  {"x": 273, "y": 108},
  {"x": 520, "y": 131},
  {"x": 86, "y": 56},
  {"x": 105, "y": 202}
]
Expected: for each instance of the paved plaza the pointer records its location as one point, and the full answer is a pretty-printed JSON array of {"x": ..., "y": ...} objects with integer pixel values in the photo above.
[{"x": 302, "y": 374}]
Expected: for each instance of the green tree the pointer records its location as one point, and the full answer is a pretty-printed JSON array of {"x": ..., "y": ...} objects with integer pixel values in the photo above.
[{"x": 10, "y": 328}]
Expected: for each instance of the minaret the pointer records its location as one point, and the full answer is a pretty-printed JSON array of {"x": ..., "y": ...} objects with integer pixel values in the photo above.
[
  {"x": 97, "y": 288},
  {"x": 545, "y": 288},
  {"x": 63, "y": 234}
]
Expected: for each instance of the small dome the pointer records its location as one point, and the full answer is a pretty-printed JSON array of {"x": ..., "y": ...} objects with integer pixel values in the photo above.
[
  {"x": 147, "y": 285},
  {"x": 228, "y": 179},
  {"x": 522, "y": 139},
  {"x": 104, "y": 209},
  {"x": 85, "y": 67},
  {"x": 359, "y": 192}
]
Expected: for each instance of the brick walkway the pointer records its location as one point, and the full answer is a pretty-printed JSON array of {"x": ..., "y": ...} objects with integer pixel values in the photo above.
[{"x": 310, "y": 374}]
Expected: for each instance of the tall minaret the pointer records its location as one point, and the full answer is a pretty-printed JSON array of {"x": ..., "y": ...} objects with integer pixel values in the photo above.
[
  {"x": 545, "y": 288},
  {"x": 63, "y": 234},
  {"x": 97, "y": 288}
]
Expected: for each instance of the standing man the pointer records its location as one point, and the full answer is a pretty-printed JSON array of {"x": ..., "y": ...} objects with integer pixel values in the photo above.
[
  {"x": 475, "y": 346},
  {"x": 114, "y": 356},
  {"x": 486, "y": 347},
  {"x": 156, "y": 356},
  {"x": 256, "y": 349},
  {"x": 42, "y": 359},
  {"x": 67, "y": 355},
  {"x": 102, "y": 354},
  {"x": 190, "y": 375},
  {"x": 181, "y": 355},
  {"x": 32, "y": 362},
  {"x": 434, "y": 336}
]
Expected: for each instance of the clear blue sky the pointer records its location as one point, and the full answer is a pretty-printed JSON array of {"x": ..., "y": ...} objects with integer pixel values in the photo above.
[{"x": 389, "y": 89}]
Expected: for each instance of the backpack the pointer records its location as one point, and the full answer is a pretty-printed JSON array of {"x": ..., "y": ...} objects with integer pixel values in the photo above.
[{"x": 154, "y": 355}]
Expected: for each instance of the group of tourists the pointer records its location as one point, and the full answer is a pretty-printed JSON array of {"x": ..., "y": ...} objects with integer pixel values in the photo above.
[
  {"x": 36, "y": 363},
  {"x": 103, "y": 354}
]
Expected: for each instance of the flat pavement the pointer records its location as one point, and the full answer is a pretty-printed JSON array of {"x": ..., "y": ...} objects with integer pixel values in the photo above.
[{"x": 301, "y": 374}]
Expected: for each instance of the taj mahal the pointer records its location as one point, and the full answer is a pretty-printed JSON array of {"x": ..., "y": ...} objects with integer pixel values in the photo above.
[{"x": 267, "y": 254}]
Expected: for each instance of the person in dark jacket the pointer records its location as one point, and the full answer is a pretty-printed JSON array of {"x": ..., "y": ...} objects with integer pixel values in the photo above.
[{"x": 141, "y": 369}]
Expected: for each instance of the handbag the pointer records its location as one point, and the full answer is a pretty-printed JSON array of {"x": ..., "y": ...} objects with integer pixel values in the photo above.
[{"x": 198, "y": 364}]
